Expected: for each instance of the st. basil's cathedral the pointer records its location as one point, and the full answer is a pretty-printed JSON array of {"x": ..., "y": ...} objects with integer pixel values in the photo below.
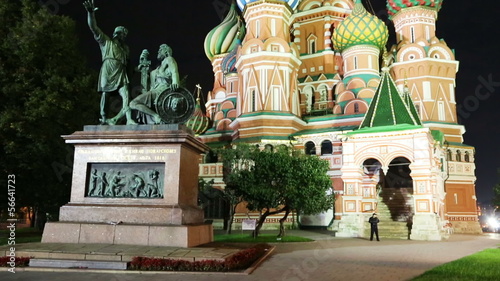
[{"x": 319, "y": 75}]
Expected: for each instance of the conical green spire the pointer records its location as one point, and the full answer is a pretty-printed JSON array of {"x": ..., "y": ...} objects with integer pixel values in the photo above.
[
  {"x": 411, "y": 106},
  {"x": 388, "y": 108}
]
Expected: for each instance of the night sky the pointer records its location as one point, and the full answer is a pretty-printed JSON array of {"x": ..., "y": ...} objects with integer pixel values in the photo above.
[{"x": 468, "y": 27}]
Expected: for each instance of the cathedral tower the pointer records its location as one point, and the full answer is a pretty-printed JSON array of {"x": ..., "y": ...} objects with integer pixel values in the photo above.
[
  {"x": 428, "y": 66},
  {"x": 267, "y": 64},
  {"x": 221, "y": 46},
  {"x": 360, "y": 38}
]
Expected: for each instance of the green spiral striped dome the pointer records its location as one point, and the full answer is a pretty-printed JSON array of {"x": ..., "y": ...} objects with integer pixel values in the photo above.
[
  {"x": 224, "y": 37},
  {"x": 199, "y": 122},
  {"x": 360, "y": 28}
]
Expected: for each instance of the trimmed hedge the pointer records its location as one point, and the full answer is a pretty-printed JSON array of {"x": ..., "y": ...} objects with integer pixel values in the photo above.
[
  {"x": 18, "y": 261},
  {"x": 241, "y": 260}
]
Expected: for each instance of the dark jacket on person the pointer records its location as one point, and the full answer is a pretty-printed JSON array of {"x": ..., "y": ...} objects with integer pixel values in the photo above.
[{"x": 374, "y": 221}]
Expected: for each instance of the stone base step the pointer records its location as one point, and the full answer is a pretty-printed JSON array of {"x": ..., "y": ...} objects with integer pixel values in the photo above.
[
  {"x": 391, "y": 229},
  {"x": 60, "y": 263},
  {"x": 128, "y": 234}
]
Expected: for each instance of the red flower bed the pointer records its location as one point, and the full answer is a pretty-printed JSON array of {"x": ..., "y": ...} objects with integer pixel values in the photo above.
[
  {"x": 240, "y": 260},
  {"x": 18, "y": 261}
]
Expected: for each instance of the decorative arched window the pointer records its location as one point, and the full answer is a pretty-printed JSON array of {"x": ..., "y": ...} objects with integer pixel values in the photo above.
[
  {"x": 269, "y": 147},
  {"x": 449, "y": 155},
  {"x": 310, "y": 148},
  {"x": 323, "y": 93},
  {"x": 356, "y": 107},
  {"x": 326, "y": 147},
  {"x": 459, "y": 156},
  {"x": 467, "y": 156},
  {"x": 311, "y": 44},
  {"x": 309, "y": 92}
]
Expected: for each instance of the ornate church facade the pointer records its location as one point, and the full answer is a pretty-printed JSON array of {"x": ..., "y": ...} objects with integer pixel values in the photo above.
[{"x": 318, "y": 75}]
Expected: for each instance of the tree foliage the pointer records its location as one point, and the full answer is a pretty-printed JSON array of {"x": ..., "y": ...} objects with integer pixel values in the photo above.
[
  {"x": 46, "y": 91},
  {"x": 283, "y": 180},
  {"x": 231, "y": 158}
]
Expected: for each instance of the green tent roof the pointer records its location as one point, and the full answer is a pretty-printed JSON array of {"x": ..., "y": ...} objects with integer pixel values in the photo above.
[{"x": 388, "y": 107}]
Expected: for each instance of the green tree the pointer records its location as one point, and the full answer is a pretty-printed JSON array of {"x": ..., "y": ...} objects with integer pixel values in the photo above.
[
  {"x": 232, "y": 160},
  {"x": 46, "y": 91},
  {"x": 283, "y": 180},
  {"x": 309, "y": 190}
]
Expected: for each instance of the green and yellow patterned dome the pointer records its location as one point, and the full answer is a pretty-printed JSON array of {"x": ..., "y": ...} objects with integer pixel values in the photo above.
[{"x": 360, "y": 28}]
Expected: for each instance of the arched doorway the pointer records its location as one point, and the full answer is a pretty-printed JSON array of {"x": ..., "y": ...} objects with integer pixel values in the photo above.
[
  {"x": 371, "y": 166},
  {"x": 372, "y": 177},
  {"x": 397, "y": 190},
  {"x": 398, "y": 174}
]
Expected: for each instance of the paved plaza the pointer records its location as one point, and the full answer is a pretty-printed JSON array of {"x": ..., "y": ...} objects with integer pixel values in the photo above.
[{"x": 327, "y": 258}]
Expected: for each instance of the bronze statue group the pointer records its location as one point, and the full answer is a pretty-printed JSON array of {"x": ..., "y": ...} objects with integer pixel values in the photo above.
[{"x": 114, "y": 77}]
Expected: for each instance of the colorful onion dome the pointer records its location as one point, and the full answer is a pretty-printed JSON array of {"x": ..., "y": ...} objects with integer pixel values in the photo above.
[
  {"x": 198, "y": 122},
  {"x": 292, "y": 3},
  {"x": 360, "y": 28},
  {"x": 229, "y": 62},
  {"x": 394, "y": 6},
  {"x": 224, "y": 37}
]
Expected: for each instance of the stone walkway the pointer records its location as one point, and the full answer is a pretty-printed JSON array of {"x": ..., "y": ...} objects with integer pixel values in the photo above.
[{"x": 328, "y": 258}]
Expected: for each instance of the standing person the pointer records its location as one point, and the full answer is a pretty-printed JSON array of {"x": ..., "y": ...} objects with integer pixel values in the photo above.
[
  {"x": 113, "y": 75},
  {"x": 374, "y": 226}
]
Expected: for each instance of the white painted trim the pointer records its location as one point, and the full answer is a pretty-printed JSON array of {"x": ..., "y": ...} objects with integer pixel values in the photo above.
[
  {"x": 401, "y": 80},
  {"x": 427, "y": 59},
  {"x": 319, "y": 11},
  {"x": 427, "y": 91},
  {"x": 270, "y": 54},
  {"x": 267, "y": 127},
  {"x": 452, "y": 93},
  {"x": 316, "y": 55},
  {"x": 448, "y": 126},
  {"x": 259, "y": 117}
]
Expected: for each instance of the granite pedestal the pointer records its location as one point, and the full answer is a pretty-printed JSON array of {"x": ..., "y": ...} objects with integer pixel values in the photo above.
[{"x": 132, "y": 205}]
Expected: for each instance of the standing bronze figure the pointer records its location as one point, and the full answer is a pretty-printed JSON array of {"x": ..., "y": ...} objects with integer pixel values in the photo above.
[{"x": 113, "y": 75}]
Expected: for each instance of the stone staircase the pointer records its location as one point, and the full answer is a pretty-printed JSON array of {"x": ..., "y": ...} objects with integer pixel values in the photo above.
[{"x": 394, "y": 210}]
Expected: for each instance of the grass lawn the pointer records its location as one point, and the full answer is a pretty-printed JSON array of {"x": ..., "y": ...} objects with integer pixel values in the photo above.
[
  {"x": 23, "y": 235},
  {"x": 482, "y": 266},
  {"x": 262, "y": 238}
]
